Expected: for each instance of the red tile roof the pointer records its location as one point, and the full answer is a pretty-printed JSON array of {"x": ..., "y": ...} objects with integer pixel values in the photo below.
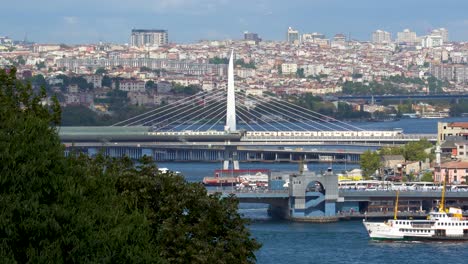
[{"x": 459, "y": 124}]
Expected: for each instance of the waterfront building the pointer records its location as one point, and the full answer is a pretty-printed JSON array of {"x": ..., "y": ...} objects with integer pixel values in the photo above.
[
  {"x": 407, "y": 36},
  {"x": 380, "y": 36},
  {"x": 292, "y": 36},
  {"x": 446, "y": 130},
  {"x": 455, "y": 172},
  {"x": 149, "y": 37}
]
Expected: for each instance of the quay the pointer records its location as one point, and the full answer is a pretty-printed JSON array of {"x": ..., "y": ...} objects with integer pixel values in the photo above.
[{"x": 316, "y": 198}]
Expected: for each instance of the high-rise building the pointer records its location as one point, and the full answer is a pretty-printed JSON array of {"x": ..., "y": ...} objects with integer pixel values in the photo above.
[
  {"x": 149, "y": 37},
  {"x": 252, "y": 37},
  {"x": 443, "y": 32},
  {"x": 380, "y": 36},
  {"x": 312, "y": 37},
  {"x": 293, "y": 36},
  {"x": 432, "y": 41},
  {"x": 407, "y": 36}
]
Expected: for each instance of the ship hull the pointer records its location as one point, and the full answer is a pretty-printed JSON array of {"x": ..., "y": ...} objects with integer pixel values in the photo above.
[{"x": 387, "y": 232}]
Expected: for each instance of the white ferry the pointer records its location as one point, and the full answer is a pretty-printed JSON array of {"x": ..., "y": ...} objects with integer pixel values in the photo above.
[{"x": 440, "y": 225}]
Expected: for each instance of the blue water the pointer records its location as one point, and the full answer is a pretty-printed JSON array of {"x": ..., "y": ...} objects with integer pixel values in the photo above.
[{"x": 342, "y": 242}]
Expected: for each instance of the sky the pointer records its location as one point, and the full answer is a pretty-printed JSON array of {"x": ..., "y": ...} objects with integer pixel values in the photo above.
[{"x": 91, "y": 21}]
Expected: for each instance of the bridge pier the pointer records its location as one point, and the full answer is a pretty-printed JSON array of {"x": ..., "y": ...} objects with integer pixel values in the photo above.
[{"x": 231, "y": 154}]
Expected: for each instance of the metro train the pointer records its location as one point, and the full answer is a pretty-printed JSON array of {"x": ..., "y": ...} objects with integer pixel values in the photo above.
[{"x": 388, "y": 133}]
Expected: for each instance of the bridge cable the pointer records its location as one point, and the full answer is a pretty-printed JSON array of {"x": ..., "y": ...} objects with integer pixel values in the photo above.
[
  {"x": 292, "y": 123},
  {"x": 338, "y": 121},
  {"x": 183, "y": 116},
  {"x": 304, "y": 117},
  {"x": 245, "y": 122},
  {"x": 255, "y": 122},
  {"x": 156, "y": 109},
  {"x": 179, "y": 108},
  {"x": 219, "y": 110},
  {"x": 275, "y": 128},
  {"x": 219, "y": 120},
  {"x": 311, "y": 115},
  {"x": 186, "y": 109}
]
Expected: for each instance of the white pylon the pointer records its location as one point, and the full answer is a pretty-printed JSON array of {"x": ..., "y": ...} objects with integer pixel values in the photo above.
[{"x": 231, "y": 99}]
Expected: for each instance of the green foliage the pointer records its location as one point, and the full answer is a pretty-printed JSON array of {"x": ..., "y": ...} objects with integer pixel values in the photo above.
[
  {"x": 40, "y": 65},
  {"x": 376, "y": 88},
  {"x": 427, "y": 177},
  {"x": 150, "y": 85},
  {"x": 370, "y": 162},
  {"x": 300, "y": 73},
  {"x": 218, "y": 60},
  {"x": 411, "y": 151},
  {"x": 79, "y": 115},
  {"x": 101, "y": 71},
  {"x": 106, "y": 81},
  {"x": 188, "y": 225},
  {"x": 188, "y": 90},
  {"x": 459, "y": 109},
  {"x": 415, "y": 151},
  {"x": 240, "y": 62},
  {"x": 57, "y": 209},
  {"x": 435, "y": 85}
]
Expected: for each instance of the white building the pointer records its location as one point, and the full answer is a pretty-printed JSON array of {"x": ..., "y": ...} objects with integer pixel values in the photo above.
[
  {"x": 132, "y": 86},
  {"x": 149, "y": 37},
  {"x": 380, "y": 36},
  {"x": 432, "y": 41},
  {"x": 289, "y": 68},
  {"x": 407, "y": 36},
  {"x": 443, "y": 32}
]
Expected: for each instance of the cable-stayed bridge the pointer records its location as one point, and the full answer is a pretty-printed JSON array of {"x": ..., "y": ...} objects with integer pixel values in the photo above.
[{"x": 231, "y": 119}]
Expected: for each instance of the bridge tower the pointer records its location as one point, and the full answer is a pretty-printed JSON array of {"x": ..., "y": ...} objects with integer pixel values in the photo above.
[{"x": 231, "y": 118}]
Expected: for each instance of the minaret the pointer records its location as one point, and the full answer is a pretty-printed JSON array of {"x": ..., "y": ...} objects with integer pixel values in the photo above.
[{"x": 231, "y": 99}]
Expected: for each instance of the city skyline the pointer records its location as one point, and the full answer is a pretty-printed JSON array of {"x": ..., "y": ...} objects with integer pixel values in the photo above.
[{"x": 189, "y": 21}]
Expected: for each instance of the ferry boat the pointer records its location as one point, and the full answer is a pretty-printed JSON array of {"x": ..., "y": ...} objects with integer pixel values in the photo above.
[{"x": 443, "y": 224}]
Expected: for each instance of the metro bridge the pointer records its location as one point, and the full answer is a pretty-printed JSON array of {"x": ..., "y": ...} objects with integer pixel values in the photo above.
[{"x": 216, "y": 119}]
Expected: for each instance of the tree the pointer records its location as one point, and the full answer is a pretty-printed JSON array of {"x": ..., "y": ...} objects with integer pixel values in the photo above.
[
  {"x": 427, "y": 177},
  {"x": 191, "y": 227},
  {"x": 57, "y": 209},
  {"x": 370, "y": 162},
  {"x": 150, "y": 85},
  {"x": 300, "y": 73},
  {"x": 101, "y": 71},
  {"x": 40, "y": 65}
]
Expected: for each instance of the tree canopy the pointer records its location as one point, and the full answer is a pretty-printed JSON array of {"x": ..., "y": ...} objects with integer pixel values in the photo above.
[
  {"x": 370, "y": 162},
  {"x": 58, "y": 209}
]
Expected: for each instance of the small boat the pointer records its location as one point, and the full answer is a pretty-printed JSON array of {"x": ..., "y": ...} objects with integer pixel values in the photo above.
[{"x": 443, "y": 224}]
